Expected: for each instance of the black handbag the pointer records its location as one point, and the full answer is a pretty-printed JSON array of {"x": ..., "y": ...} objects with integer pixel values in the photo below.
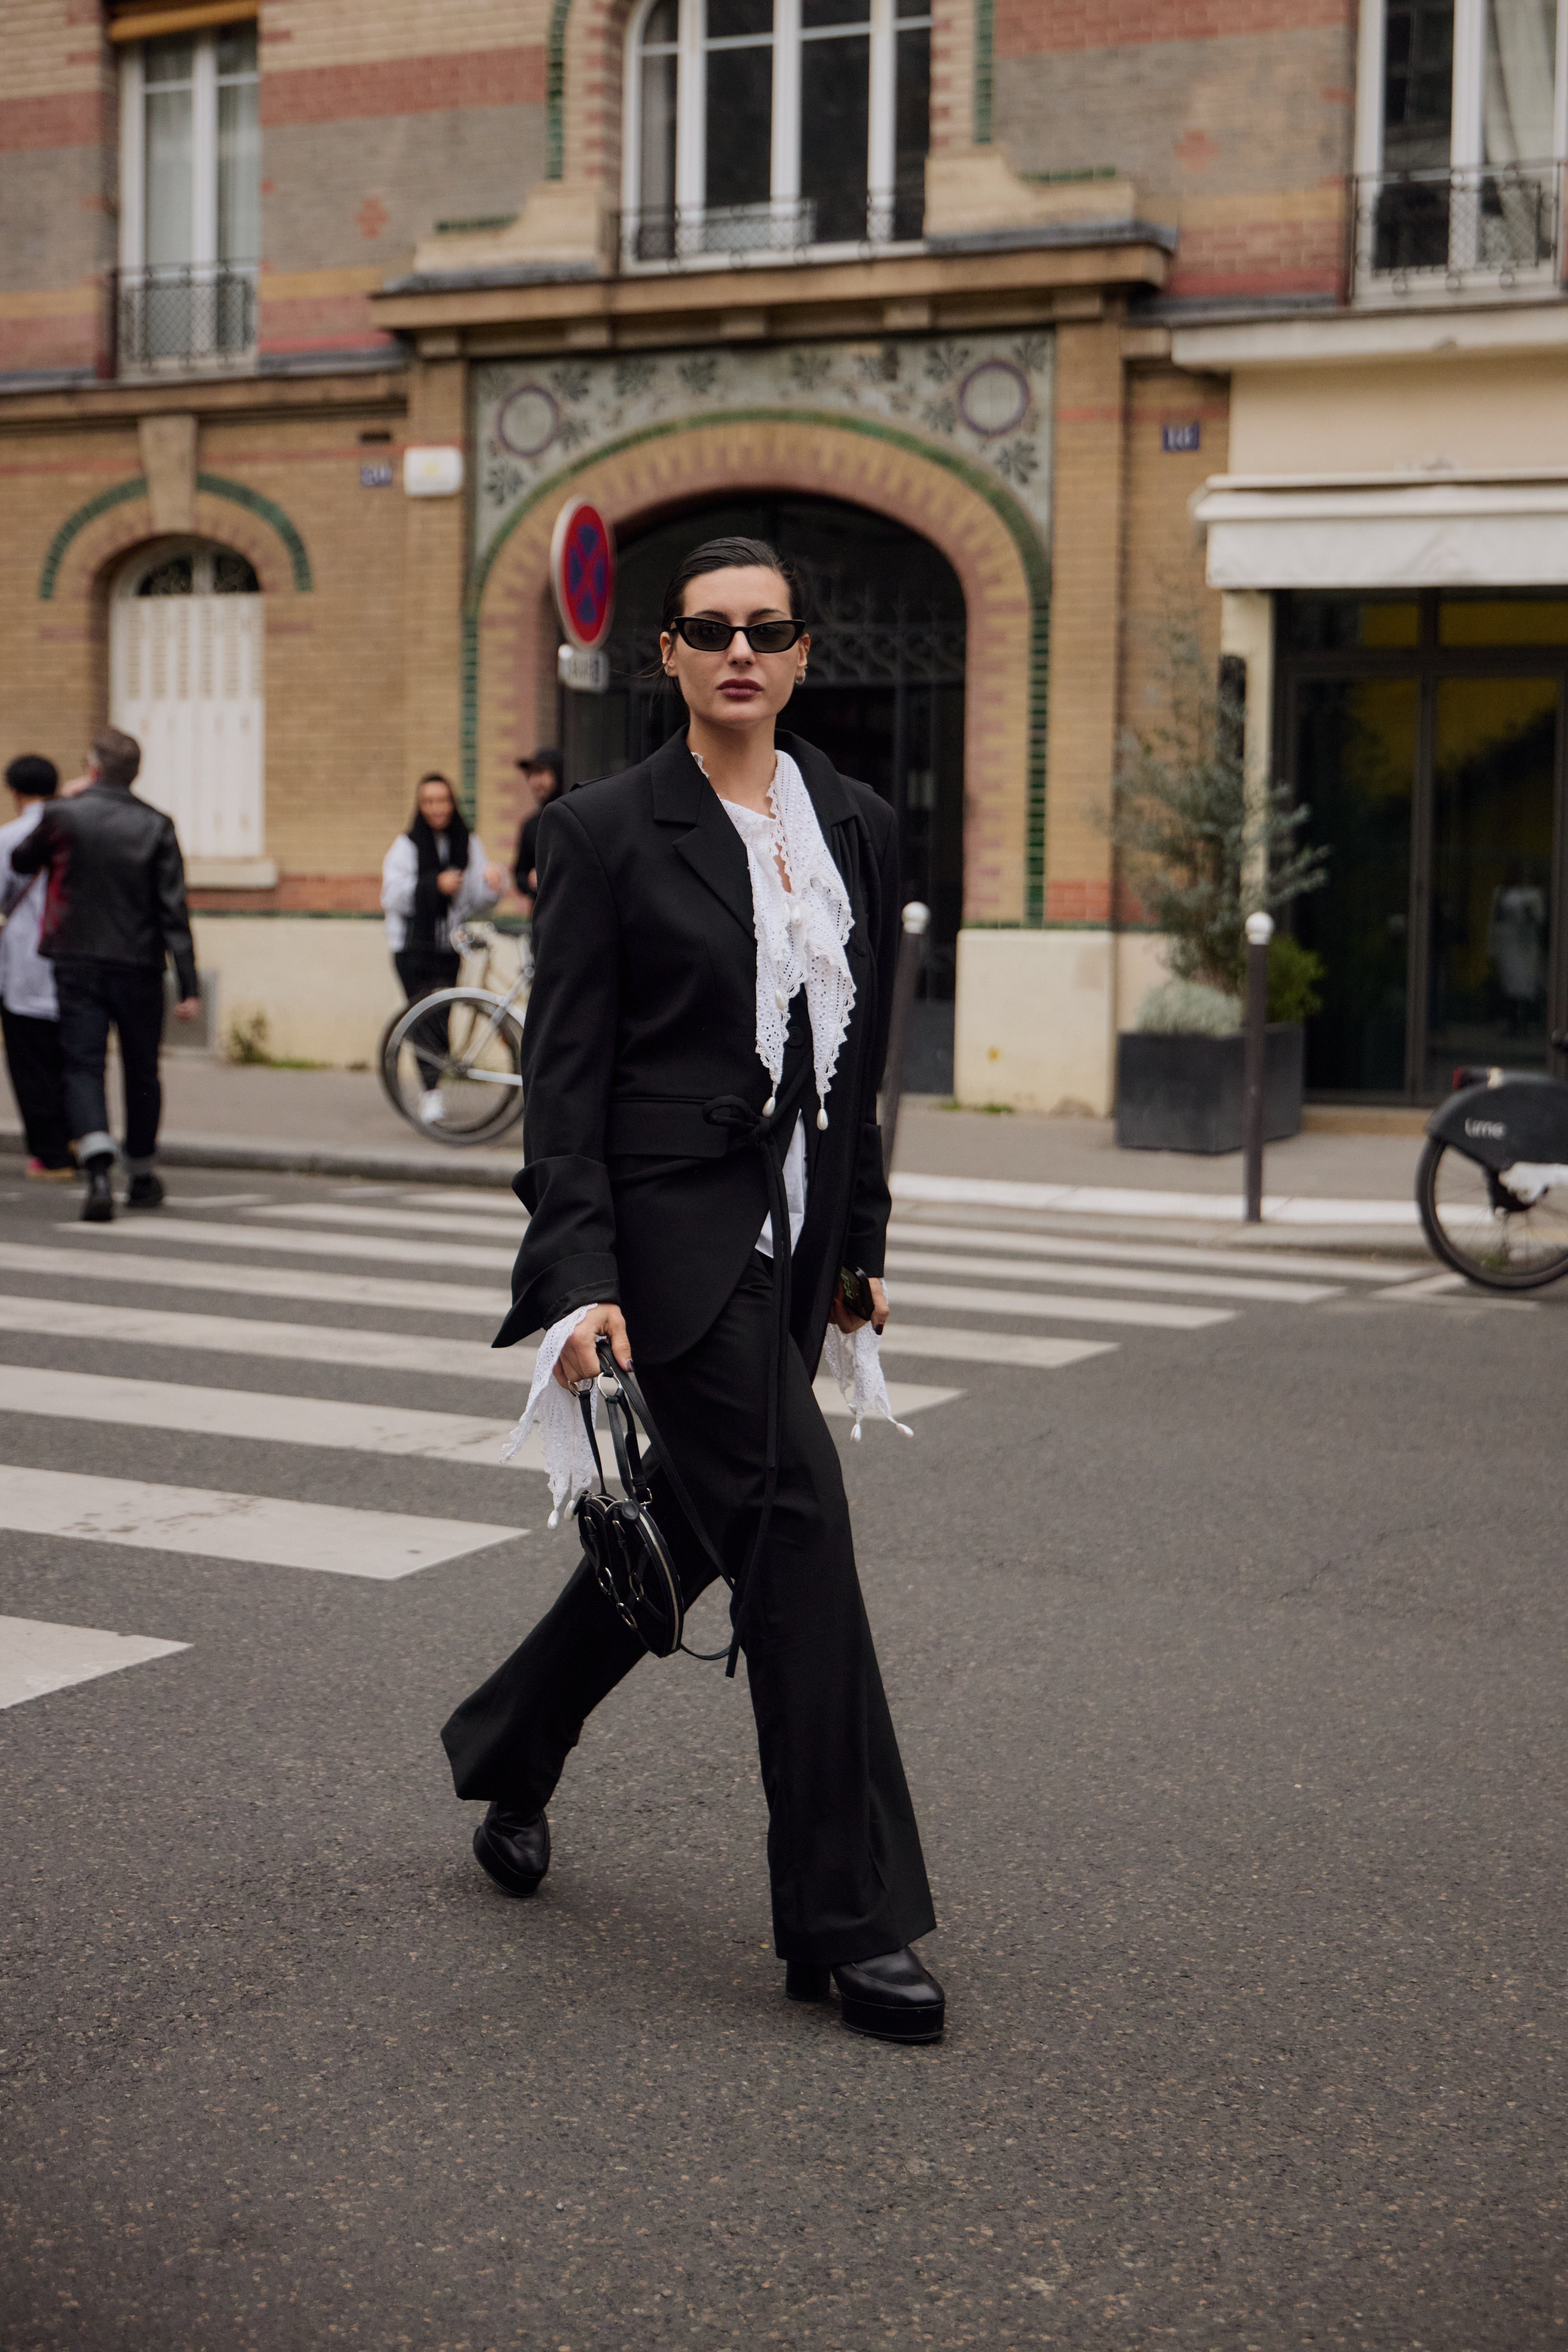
[{"x": 622, "y": 1541}]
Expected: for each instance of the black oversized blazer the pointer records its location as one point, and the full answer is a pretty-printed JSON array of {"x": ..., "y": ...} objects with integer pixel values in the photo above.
[{"x": 643, "y": 1011}]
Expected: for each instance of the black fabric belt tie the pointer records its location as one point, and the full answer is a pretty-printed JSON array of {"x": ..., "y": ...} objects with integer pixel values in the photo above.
[{"x": 747, "y": 1125}]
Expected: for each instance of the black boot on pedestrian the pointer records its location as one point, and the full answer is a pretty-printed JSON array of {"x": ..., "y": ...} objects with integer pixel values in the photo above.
[
  {"x": 891, "y": 1997},
  {"x": 147, "y": 1192},
  {"x": 513, "y": 1849},
  {"x": 98, "y": 1208}
]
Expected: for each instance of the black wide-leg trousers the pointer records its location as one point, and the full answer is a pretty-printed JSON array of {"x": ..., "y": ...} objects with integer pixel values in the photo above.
[{"x": 844, "y": 1852}]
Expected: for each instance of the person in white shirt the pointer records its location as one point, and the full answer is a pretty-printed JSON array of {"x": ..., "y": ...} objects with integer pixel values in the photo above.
[
  {"x": 433, "y": 879},
  {"x": 29, "y": 1008}
]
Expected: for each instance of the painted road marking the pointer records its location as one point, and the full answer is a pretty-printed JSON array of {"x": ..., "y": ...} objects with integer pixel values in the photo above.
[
  {"x": 396, "y": 1352},
  {"x": 401, "y": 1429},
  {"x": 1027, "y": 1243},
  {"x": 244, "y": 1335},
  {"x": 388, "y": 1251},
  {"x": 1111, "y": 1278},
  {"x": 1113, "y": 1200},
  {"x": 411, "y": 1221},
  {"x": 255, "y": 1529},
  {"x": 35, "y": 1658},
  {"x": 254, "y": 1281},
  {"x": 959, "y": 1346},
  {"x": 1150, "y": 1313}
]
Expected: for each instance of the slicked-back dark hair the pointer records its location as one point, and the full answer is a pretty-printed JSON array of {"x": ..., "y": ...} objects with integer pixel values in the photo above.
[
  {"x": 728, "y": 555},
  {"x": 33, "y": 777}
]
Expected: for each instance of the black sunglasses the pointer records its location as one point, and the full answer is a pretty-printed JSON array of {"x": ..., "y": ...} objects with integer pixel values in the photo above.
[{"x": 706, "y": 636}]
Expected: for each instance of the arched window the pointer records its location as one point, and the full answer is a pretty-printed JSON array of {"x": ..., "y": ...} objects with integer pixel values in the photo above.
[
  {"x": 185, "y": 678},
  {"x": 762, "y": 126}
]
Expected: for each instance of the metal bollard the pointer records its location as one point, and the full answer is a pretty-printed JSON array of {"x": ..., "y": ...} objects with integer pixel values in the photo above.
[
  {"x": 912, "y": 955},
  {"x": 1259, "y": 931}
]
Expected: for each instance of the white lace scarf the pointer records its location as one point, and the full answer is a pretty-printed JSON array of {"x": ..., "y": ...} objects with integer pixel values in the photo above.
[{"x": 801, "y": 932}]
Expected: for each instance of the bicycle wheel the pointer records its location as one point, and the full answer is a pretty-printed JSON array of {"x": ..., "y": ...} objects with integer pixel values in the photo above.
[
  {"x": 1481, "y": 1231},
  {"x": 386, "y": 1060},
  {"x": 454, "y": 1065}
]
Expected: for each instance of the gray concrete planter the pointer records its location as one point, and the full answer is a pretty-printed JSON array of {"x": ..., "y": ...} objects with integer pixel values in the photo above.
[{"x": 1184, "y": 1093}]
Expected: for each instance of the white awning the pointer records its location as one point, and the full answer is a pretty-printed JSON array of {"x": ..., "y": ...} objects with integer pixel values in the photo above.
[{"x": 1384, "y": 534}]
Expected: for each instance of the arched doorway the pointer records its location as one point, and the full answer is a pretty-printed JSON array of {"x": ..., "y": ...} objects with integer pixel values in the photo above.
[
  {"x": 884, "y": 695},
  {"x": 185, "y": 678}
]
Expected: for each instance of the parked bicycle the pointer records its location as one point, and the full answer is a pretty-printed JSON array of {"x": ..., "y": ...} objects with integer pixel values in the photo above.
[
  {"x": 452, "y": 1062},
  {"x": 1493, "y": 1183}
]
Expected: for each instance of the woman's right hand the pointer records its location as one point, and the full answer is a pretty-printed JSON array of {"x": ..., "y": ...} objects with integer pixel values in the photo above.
[
  {"x": 579, "y": 1361},
  {"x": 449, "y": 881}
]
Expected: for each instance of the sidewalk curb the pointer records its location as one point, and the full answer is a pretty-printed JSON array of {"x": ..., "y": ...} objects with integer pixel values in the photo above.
[{"x": 318, "y": 1160}]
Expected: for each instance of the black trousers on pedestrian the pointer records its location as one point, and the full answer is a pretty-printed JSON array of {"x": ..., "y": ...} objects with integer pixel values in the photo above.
[
  {"x": 420, "y": 971},
  {"x": 844, "y": 1852},
  {"x": 37, "y": 1068},
  {"x": 93, "y": 993}
]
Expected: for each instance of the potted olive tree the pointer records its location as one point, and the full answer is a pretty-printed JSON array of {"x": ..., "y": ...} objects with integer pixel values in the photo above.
[{"x": 1203, "y": 846}]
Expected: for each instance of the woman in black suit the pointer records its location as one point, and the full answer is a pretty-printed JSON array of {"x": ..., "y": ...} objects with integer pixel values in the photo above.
[{"x": 715, "y": 954}]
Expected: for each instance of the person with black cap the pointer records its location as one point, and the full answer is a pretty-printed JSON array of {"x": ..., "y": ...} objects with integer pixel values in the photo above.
[{"x": 543, "y": 770}]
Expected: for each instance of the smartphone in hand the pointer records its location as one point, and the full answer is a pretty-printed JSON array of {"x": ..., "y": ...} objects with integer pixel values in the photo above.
[{"x": 855, "y": 1290}]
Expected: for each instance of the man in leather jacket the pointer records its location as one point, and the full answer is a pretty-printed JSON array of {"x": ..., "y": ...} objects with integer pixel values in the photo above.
[{"x": 113, "y": 910}]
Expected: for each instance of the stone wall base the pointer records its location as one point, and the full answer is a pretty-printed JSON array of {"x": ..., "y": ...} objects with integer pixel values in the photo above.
[
  {"x": 1038, "y": 1012},
  {"x": 324, "y": 982}
]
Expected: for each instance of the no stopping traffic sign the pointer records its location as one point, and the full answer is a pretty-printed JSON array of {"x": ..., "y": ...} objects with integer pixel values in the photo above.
[{"x": 582, "y": 572}]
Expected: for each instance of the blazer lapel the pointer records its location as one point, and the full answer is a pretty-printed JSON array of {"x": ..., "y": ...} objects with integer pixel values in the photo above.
[{"x": 683, "y": 798}]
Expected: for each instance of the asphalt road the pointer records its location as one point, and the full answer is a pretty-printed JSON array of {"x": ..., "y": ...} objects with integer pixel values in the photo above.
[{"x": 1229, "y": 1668}]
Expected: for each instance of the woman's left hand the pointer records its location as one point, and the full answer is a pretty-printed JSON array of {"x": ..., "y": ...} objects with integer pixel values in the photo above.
[
  {"x": 842, "y": 1320},
  {"x": 495, "y": 879}
]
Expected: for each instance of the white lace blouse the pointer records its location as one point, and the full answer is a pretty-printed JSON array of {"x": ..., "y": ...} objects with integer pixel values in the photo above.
[{"x": 801, "y": 935}]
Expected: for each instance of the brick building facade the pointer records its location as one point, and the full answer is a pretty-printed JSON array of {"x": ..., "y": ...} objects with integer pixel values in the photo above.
[{"x": 1024, "y": 289}]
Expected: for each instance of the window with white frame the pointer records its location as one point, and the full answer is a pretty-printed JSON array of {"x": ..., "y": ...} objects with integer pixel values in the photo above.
[
  {"x": 761, "y": 125},
  {"x": 190, "y": 204},
  {"x": 1461, "y": 130}
]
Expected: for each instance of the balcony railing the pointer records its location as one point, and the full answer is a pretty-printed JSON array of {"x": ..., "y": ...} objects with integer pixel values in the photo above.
[
  {"x": 175, "y": 316},
  {"x": 782, "y": 230},
  {"x": 1490, "y": 227}
]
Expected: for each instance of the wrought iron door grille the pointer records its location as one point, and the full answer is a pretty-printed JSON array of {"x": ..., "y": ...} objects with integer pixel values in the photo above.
[
  {"x": 1491, "y": 225},
  {"x": 183, "y": 315}
]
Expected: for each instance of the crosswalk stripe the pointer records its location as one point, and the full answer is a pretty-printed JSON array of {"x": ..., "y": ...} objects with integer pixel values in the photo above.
[
  {"x": 462, "y": 1359},
  {"x": 1152, "y": 1313},
  {"x": 914, "y": 1231},
  {"x": 959, "y": 1346},
  {"x": 411, "y": 1221},
  {"x": 1108, "y": 1277},
  {"x": 500, "y": 1203},
  {"x": 253, "y": 1281},
  {"x": 385, "y": 1251},
  {"x": 244, "y": 1335},
  {"x": 258, "y": 1414},
  {"x": 36, "y": 1658},
  {"x": 904, "y": 1396},
  {"x": 399, "y": 1430},
  {"x": 257, "y": 1530}
]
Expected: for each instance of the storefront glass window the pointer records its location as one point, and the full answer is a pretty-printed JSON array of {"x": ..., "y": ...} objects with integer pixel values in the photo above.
[
  {"x": 1489, "y": 924},
  {"x": 1355, "y": 767},
  {"x": 1503, "y": 621},
  {"x": 1327, "y": 623},
  {"x": 1424, "y": 735}
]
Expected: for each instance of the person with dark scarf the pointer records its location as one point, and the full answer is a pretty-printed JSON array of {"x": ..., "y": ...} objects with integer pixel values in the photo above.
[{"x": 434, "y": 877}]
